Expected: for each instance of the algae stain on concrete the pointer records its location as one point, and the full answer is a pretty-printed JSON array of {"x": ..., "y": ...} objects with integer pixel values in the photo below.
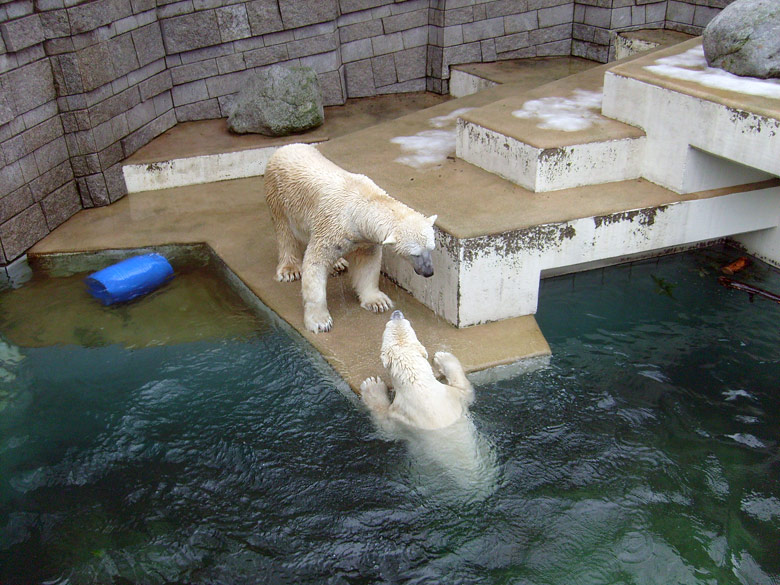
[
  {"x": 159, "y": 167},
  {"x": 555, "y": 162},
  {"x": 644, "y": 217},
  {"x": 754, "y": 123},
  {"x": 515, "y": 243},
  {"x": 554, "y": 155},
  {"x": 447, "y": 242}
]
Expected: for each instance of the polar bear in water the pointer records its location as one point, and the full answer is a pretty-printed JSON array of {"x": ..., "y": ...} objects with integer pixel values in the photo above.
[
  {"x": 341, "y": 219},
  {"x": 431, "y": 416}
]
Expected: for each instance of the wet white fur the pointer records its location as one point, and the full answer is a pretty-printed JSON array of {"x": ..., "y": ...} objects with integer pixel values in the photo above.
[
  {"x": 421, "y": 401},
  {"x": 340, "y": 219},
  {"x": 430, "y": 416}
]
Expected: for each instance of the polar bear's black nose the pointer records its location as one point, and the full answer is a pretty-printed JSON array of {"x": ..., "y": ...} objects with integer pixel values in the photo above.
[
  {"x": 397, "y": 315},
  {"x": 423, "y": 265}
]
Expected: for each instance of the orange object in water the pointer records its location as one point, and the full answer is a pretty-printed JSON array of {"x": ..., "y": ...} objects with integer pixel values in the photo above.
[{"x": 736, "y": 266}]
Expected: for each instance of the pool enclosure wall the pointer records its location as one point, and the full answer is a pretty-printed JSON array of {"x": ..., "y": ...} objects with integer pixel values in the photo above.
[{"x": 86, "y": 84}]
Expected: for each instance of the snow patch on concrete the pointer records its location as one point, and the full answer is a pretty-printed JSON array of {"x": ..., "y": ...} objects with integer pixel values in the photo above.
[
  {"x": 448, "y": 119},
  {"x": 571, "y": 114},
  {"x": 692, "y": 66},
  {"x": 429, "y": 147},
  {"x": 425, "y": 148}
]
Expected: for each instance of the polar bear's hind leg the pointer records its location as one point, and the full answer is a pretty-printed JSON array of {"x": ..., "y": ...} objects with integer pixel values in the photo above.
[
  {"x": 288, "y": 246},
  {"x": 288, "y": 269}
]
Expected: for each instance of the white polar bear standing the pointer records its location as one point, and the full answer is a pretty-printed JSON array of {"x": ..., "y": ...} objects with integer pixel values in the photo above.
[
  {"x": 432, "y": 417},
  {"x": 340, "y": 219}
]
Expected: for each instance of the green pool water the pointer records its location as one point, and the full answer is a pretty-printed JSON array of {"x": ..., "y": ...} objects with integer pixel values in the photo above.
[{"x": 646, "y": 452}]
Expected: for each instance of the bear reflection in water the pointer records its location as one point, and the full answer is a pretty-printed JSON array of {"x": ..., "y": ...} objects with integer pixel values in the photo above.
[{"x": 430, "y": 416}]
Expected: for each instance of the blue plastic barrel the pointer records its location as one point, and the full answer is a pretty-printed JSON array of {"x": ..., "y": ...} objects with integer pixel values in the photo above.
[{"x": 129, "y": 278}]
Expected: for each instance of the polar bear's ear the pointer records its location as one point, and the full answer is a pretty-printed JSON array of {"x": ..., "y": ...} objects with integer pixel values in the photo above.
[
  {"x": 432, "y": 219},
  {"x": 389, "y": 240}
]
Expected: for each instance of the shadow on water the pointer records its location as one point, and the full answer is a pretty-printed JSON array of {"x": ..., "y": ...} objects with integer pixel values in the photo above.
[{"x": 645, "y": 452}]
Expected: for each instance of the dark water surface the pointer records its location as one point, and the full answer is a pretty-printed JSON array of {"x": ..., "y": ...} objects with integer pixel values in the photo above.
[{"x": 647, "y": 452}]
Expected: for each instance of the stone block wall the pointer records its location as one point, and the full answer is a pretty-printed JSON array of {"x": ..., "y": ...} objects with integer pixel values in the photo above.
[
  {"x": 691, "y": 16},
  {"x": 37, "y": 187},
  {"x": 596, "y": 21},
  {"x": 83, "y": 87},
  {"x": 359, "y": 48},
  {"x": 86, "y": 83},
  {"x": 467, "y": 31}
]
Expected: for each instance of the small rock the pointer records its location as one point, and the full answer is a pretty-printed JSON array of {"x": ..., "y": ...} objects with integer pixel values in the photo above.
[
  {"x": 278, "y": 101},
  {"x": 744, "y": 39}
]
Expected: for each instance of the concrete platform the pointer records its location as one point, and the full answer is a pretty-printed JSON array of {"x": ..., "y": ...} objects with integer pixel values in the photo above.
[
  {"x": 231, "y": 218},
  {"x": 471, "y": 78},
  {"x": 690, "y": 111},
  {"x": 552, "y": 137},
  {"x": 495, "y": 239},
  {"x": 206, "y": 151},
  {"x": 628, "y": 43}
]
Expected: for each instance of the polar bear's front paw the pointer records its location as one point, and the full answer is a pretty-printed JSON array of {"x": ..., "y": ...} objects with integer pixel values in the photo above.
[
  {"x": 340, "y": 266},
  {"x": 373, "y": 391},
  {"x": 446, "y": 364},
  {"x": 288, "y": 271},
  {"x": 317, "y": 320},
  {"x": 378, "y": 302}
]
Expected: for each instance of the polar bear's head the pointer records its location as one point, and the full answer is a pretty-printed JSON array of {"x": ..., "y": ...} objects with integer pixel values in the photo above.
[
  {"x": 401, "y": 350},
  {"x": 413, "y": 239}
]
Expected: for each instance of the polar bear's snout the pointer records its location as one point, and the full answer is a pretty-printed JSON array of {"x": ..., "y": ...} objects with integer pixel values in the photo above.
[
  {"x": 397, "y": 315},
  {"x": 423, "y": 265}
]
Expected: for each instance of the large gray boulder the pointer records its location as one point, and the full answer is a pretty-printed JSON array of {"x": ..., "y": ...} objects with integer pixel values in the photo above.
[
  {"x": 744, "y": 39},
  {"x": 278, "y": 101}
]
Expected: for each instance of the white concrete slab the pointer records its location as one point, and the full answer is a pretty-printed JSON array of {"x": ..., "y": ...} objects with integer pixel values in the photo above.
[
  {"x": 686, "y": 109},
  {"x": 463, "y": 83},
  {"x": 494, "y": 277},
  {"x": 499, "y": 277},
  {"x": 196, "y": 170},
  {"x": 549, "y": 169}
]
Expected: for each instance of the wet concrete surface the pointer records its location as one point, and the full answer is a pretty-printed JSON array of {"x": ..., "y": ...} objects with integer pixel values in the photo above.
[{"x": 232, "y": 219}]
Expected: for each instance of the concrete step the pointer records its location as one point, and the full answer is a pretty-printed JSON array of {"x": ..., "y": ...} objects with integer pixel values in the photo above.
[
  {"x": 628, "y": 43},
  {"x": 468, "y": 79},
  {"x": 205, "y": 151},
  {"x": 552, "y": 137},
  {"x": 496, "y": 239},
  {"x": 193, "y": 153},
  {"x": 705, "y": 127}
]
